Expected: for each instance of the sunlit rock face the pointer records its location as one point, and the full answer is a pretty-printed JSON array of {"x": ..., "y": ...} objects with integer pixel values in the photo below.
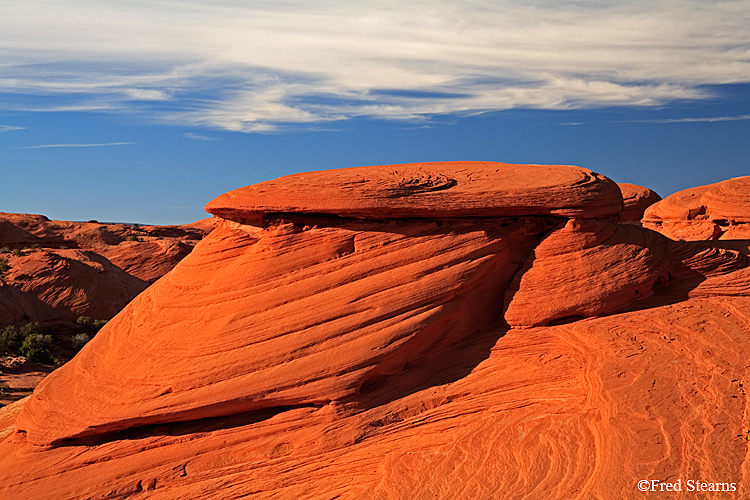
[
  {"x": 712, "y": 212},
  {"x": 593, "y": 267},
  {"x": 448, "y": 330},
  {"x": 635, "y": 200},
  {"x": 428, "y": 190}
]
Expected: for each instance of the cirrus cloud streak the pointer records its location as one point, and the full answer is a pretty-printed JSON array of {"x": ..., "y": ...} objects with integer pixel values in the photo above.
[
  {"x": 90, "y": 145},
  {"x": 257, "y": 67}
]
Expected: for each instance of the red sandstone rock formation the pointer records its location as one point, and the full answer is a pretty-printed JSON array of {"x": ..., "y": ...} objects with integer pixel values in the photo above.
[
  {"x": 716, "y": 211},
  {"x": 300, "y": 352},
  {"x": 427, "y": 190},
  {"x": 71, "y": 269},
  {"x": 591, "y": 267},
  {"x": 636, "y": 199},
  {"x": 65, "y": 284}
]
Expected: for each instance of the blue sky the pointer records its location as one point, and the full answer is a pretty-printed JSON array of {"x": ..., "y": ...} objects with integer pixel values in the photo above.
[{"x": 143, "y": 111}]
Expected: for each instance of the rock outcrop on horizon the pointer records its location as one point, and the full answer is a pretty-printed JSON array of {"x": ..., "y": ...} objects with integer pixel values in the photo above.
[
  {"x": 438, "y": 330},
  {"x": 718, "y": 211},
  {"x": 61, "y": 270},
  {"x": 635, "y": 200}
]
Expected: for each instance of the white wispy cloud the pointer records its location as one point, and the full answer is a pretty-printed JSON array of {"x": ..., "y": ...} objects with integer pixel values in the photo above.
[
  {"x": 93, "y": 145},
  {"x": 199, "y": 137},
  {"x": 10, "y": 128},
  {"x": 709, "y": 119},
  {"x": 256, "y": 66}
]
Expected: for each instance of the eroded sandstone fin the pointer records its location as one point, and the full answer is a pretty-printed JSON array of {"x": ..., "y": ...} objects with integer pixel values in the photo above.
[{"x": 635, "y": 200}]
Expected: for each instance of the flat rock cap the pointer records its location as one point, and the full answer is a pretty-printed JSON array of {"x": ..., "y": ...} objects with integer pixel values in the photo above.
[{"x": 427, "y": 190}]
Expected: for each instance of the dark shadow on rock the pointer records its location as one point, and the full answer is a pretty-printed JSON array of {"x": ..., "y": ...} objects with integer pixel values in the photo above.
[
  {"x": 181, "y": 428},
  {"x": 693, "y": 262},
  {"x": 13, "y": 394},
  {"x": 742, "y": 246},
  {"x": 412, "y": 226},
  {"x": 439, "y": 365}
]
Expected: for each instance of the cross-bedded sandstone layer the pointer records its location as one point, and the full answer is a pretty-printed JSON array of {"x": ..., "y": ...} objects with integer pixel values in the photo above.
[
  {"x": 538, "y": 350},
  {"x": 427, "y": 190},
  {"x": 712, "y": 212}
]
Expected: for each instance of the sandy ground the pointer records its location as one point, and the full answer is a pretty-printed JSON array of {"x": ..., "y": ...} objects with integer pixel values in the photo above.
[{"x": 18, "y": 385}]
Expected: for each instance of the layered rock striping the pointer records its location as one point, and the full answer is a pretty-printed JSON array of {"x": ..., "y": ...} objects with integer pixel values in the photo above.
[
  {"x": 356, "y": 334},
  {"x": 427, "y": 190},
  {"x": 712, "y": 212},
  {"x": 635, "y": 200}
]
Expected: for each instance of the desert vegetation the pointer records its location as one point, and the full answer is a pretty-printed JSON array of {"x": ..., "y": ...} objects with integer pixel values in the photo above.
[
  {"x": 4, "y": 265},
  {"x": 29, "y": 341},
  {"x": 36, "y": 343}
]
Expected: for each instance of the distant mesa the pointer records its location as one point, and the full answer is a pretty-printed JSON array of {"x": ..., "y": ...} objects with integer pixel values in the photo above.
[{"x": 432, "y": 330}]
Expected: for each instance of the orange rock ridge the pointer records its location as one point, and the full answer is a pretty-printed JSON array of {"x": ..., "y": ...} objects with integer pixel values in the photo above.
[
  {"x": 71, "y": 269},
  {"x": 366, "y": 343},
  {"x": 636, "y": 199},
  {"x": 712, "y": 212},
  {"x": 72, "y": 283}
]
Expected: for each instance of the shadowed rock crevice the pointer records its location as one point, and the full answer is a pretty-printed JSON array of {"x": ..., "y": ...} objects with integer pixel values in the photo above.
[
  {"x": 177, "y": 427},
  {"x": 438, "y": 365}
]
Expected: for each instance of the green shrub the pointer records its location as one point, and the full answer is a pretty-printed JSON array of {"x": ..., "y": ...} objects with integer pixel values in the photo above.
[
  {"x": 10, "y": 340},
  {"x": 35, "y": 246},
  {"x": 31, "y": 329},
  {"x": 4, "y": 265},
  {"x": 4, "y": 250},
  {"x": 18, "y": 252},
  {"x": 38, "y": 348},
  {"x": 29, "y": 341},
  {"x": 80, "y": 340},
  {"x": 133, "y": 238},
  {"x": 89, "y": 326}
]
